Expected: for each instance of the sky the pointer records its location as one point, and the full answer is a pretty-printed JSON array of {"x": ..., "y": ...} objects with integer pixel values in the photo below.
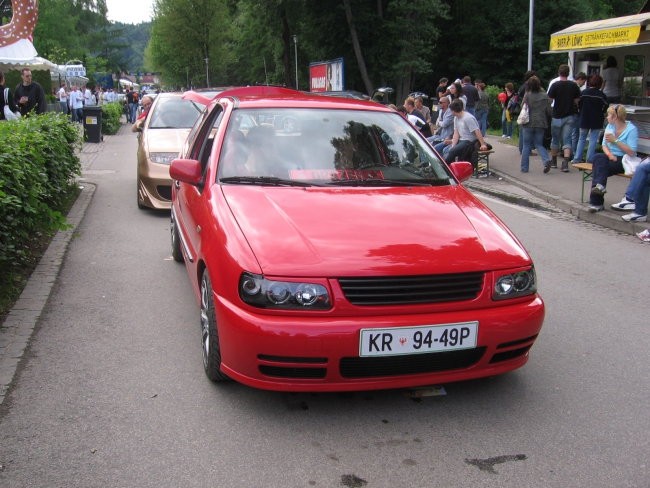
[{"x": 129, "y": 11}]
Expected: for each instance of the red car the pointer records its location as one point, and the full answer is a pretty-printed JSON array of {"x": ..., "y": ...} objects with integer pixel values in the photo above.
[{"x": 331, "y": 249}]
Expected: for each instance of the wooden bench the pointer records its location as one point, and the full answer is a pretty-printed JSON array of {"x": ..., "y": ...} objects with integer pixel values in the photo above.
[
  {"x": 483, "y": 163},
  {"x": 585, "y": 170}
]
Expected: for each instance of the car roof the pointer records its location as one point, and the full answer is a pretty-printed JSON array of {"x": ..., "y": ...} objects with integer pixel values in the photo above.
[{"x": 273, "y": 97}]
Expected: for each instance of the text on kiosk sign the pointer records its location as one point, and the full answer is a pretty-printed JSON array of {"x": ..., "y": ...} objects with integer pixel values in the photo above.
[{"x": 598, "y": 38}]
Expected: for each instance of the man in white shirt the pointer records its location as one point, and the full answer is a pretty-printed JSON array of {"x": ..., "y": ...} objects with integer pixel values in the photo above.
[
  {"x": 88, "y": 96},
  {"x": 76, "y": 104},
  {"x": 62, "y": 95}
]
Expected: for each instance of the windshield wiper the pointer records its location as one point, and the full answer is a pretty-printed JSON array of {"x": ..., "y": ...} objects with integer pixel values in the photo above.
[
  {"x": 381, "y": 182},
  {"x": 263, "y": 180}
]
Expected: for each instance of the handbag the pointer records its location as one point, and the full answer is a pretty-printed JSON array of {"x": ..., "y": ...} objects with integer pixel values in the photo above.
[
  {"x": 9, "y": 115},
  {"x": 630, "y": 163},
  {"x": 524, "y": 115}
]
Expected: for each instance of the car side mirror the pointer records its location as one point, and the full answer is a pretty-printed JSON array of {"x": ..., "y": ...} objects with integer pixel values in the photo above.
[
  {"x": 462, "y": 170},
  {"x": 187, "y": 171}
]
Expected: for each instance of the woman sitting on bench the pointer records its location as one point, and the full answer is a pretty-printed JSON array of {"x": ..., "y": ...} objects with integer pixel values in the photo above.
[{"x": 621, "y": 137}]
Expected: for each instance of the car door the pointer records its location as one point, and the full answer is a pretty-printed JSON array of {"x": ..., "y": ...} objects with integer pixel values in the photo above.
[{"x": 191, "y": 200}]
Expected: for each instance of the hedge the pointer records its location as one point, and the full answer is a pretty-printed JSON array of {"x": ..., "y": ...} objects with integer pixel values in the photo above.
[
  {"x": 38, "y": 167},
  {"x": 111, "y": 114}
]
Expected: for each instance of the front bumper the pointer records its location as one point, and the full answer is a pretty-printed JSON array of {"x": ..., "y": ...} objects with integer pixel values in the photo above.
[{"x": 298, "y": 353}]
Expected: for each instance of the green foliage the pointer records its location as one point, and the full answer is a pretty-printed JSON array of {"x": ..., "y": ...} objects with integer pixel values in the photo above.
[
  {"x": 111, "y": 114},
  {"x": 38, "y": 165},
  {"x": 68, "y": 30},
  {"x": 494, "y": 114}
]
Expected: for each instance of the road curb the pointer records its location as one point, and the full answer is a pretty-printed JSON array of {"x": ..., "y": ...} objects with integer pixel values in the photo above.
[
  {"x": 605, "y": 219},
  {"x": 20, "y": 323}
]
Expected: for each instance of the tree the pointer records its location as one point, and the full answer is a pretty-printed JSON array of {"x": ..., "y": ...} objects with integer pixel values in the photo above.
[{"x": 188, "y": 37}]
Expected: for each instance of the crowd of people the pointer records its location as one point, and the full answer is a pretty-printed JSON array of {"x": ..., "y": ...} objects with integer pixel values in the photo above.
[
  {"x": 580, "y": 112},
  {"x": 28, "y": 97},
  {"x": 460, "y": 124},
  {"x": 576, "y": 110},
  {"x": 580, "y": 109}
]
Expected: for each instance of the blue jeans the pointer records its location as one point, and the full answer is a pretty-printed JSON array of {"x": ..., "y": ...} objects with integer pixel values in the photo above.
[
  {"x": 458, "y": 150},
  {"x": 561, "y": 130},
  {"x": 639, "y": 188},
  {"x": 133, "y": 109},
  {"x": 78, "y": 115},
  {"x": 593, "y": 135},
  {"x": 507, "y": 126},
  {"x": 481, "y": 117},
  {"x": 575, "y": 134},
  {"x": 532, "y": 136},
  {"x": 603, "y": 167},
  {"x": 440, "y": 147}
]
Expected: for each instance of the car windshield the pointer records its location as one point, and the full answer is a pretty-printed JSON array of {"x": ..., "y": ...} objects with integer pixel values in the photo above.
[
  {"x": 174, "y": 113},
  {"x": 327, "y": 147}
]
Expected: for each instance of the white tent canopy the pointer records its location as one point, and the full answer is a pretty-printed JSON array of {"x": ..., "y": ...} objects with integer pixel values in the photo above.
[{"x": 35, "y": 63}]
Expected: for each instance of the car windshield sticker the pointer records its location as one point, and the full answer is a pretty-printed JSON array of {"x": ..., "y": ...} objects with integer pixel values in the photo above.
[{"x": 336, "y": 175}]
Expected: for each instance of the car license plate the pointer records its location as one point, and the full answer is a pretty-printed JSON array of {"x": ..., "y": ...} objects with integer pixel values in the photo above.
[{"x": 394, "y": 341}]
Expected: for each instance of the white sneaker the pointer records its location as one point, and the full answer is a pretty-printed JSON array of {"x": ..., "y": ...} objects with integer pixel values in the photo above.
[
  {"x": 503, "y": 136},
  {"x": 623, "y": 205},
  {"x": 634, "y": 217},
  {"x": 595, "y": 208}
]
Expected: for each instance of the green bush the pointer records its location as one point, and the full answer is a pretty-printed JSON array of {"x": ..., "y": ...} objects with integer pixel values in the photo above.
[
  {"x": 38, "y": 166},
  {"x": 494, "y": 115},
  {"x": 111, "y": 114}
]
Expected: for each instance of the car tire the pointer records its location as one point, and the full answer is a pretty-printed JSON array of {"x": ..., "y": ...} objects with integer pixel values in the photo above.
[
  {"x": 141, "y": 206},
  {"x": 177, "y": 254},
  {"x": 209, "y": 334}
]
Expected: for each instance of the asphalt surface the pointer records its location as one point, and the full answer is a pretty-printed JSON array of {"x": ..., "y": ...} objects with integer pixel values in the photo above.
[{"x": 505, "y": 181}]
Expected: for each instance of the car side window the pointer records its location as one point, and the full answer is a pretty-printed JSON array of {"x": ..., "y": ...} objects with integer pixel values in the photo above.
[{"x": 202, "y": 147}]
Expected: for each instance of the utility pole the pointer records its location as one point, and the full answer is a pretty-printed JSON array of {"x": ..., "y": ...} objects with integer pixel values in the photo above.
[
  {"x": 531, "y": 10},
  {"x": 295, "y": 47},
  {"x": 207, "y": 74}
]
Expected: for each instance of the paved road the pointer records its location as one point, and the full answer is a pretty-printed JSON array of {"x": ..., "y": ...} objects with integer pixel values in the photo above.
[{"x": 111, "y": 392}]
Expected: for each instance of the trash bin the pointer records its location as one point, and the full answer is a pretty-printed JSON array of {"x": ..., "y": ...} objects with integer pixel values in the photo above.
[{"x": 92, "y": 115}]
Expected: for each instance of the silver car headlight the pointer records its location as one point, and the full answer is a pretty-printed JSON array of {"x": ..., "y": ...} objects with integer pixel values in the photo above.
[
  {"x": 514, "y": 284},
  {"x": 288, "y": 295},
  {"x": 162, "y": 157}
]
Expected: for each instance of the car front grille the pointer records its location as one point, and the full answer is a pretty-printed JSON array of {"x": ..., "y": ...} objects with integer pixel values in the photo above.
[
  {"x": 407, "y": 290},
  {"x": 367, "y": 367}
]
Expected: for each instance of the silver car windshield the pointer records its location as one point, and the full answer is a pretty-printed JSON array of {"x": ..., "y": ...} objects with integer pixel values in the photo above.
[
  {"x": 174, "y": 113},
  {"x": 326, "y": 147}
]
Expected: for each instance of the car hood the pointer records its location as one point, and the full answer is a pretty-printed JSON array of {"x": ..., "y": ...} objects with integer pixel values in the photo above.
[
  {"x": 360, "y": 231},
  {"x": 165, "y": 140}
]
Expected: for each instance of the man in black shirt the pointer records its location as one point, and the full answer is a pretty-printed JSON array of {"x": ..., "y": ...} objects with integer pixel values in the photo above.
[
  {"x": 471, "y": 93},
  {"x": 565, "y": 95},
  {"x": 29, "y": 95}
]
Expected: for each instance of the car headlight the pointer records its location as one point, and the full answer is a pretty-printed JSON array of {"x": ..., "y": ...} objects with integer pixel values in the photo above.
[
  {"x": 288, "y": 295},
  {"x": 162, "y": 157},
  {"x": 515, "y": 284}
]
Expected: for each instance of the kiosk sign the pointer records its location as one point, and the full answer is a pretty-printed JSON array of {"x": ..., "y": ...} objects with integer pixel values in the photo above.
[{"x": 597, "y": 38}]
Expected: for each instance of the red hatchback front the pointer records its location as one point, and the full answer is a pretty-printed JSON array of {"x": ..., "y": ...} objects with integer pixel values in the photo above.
[{"x": 330, "y": 249}]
